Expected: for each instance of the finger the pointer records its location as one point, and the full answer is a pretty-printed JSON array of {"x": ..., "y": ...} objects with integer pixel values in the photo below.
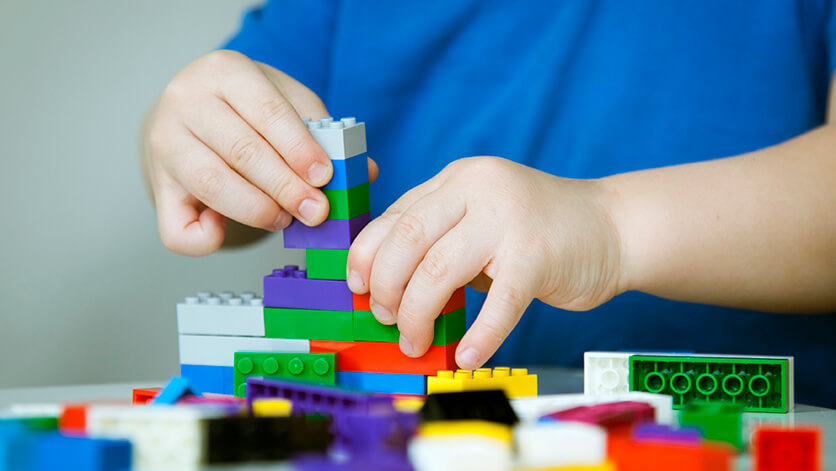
[
  {"x": 207, "y": 177},
  {"x": 374, "y": 170},
  {"x": 458, "y": 257},
  {"x": 186, "y": 226},
  {"x": 363, "y": 248},
  {"x": 509, "y": 296},
  {"x": 406, "y": 244},
  {"x": 303, "y": 99},
  {"x": 260, "y": 103},
  {"x": 223, "y": 131}
]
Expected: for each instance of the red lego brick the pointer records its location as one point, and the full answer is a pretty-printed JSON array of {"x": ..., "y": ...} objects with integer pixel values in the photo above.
[
  {"x": 386, "y": 357},
  {"x": 73, "y": 419},
  {"x": 787, "y": 449},
  {"x": 144, "y": 395},
  {"x": 456, "y": 301},
  {"x": 629, "y": 455}
]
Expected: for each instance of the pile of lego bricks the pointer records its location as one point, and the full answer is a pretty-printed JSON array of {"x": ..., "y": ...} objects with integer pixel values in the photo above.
[
  {"x": 309, "y": 325},
  {"x": 291, "y": 425}
]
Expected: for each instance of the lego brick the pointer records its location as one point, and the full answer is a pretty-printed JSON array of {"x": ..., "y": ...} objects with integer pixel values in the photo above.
[
  {"x": 501, "y": 432},
  {"x": 448, "y": 328},
  {"x": 225, "y": 314},
  {"x": 515, "y": 382},
  {"x": 31, "y": 423},
  {"x": 314, "y": 324},
  {"x": 609, "y": 416},
  {"x": 219, "y": 351},
  {"x": 264, "y": 439},
  {"x": 206, "y": 378},
  {"x": 460, "y": 453},
  {"x": 532, "y": 408},
  {"x": 787, "y": 449},
  {"x": 367, "y": 461},
  {"x": 274, "y": 407},
  {"x": 340, "y": 139},
  {"x": 631, "y": 456},
  {"x": 15, "y": 446},
  {"x": 386, "y": 357},
  {"x": 163, "y": 437},
  {"x": 349, "y": 203},
  {"x": 73, "y": 419},
  {"x": 317, "y": 368},
  {"x": 360, "y": 302},
  {"x": 559, "y": 444},
  {"x": 331, "y": 234},
  {"x": 349, "y": 172},
  {"x": 376, "y": 434},
  {"x": 408, "y": 404},
  {"x": 606, "y": 372},
  {"x": 650, "y": 432},
  {"x": 757, "y": 384},
  {"x": 289, "y": 287},
  {"x": 716, "y": 421},
  {"x": 326, "y": 264},
  {"x": 54, "y": 451},
  {"x": 489, "y": 405},
  {"x": 176, "y": 389},
  {"x": 141, "y": 396},
  {"x": 390, "y": 383}
]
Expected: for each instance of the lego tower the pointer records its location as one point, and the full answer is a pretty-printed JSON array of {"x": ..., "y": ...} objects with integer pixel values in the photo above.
[{"x": 310, "y": 326}]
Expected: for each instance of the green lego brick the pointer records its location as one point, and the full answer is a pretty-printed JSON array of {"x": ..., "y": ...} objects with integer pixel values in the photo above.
[
  {"x": 757, "y": 385},
  {"x": 317, "y": 368},
  {"x": 448, "y": 328},
  {"x": 326, "y": 264},
  {"x": 716, "y": 421},
  {"x": 345, "y": 204},
  {"x": 312, "y": 324},
  {"x": 34, "y": 424}
]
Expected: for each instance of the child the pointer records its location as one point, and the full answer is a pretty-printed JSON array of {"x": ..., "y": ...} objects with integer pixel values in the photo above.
[{"x": 629, "y": 103}]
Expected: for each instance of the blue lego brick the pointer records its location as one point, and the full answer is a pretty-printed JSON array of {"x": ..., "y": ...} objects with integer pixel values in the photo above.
[
  {"x": 390, "y": 383},
  {"x": 15, "y": 446},
  {"x": 349, "y": 173},
  {"x": 211, "y": 379},
  {"x": 54, "y": 451},
  {"x": 176, "y": 389},
  {"x": 228, "y": 386}
]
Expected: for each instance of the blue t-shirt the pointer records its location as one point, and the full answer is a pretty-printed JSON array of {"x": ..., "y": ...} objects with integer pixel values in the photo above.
[{"x": 578, "y": 89}]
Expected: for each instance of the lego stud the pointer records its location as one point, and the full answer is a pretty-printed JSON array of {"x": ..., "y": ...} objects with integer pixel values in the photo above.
[
  {"x": 242, "y": 390},
  {"x": 325, "y": 122},
  {"x": 445, "y": 374},
  {"x": 706, "y": 384},
  {"x": 518, "y": 372},
  {"x": 759, "y": 385},
  {"x": 213, "y": 300},
  {"x": 313, "y": 124},
  {"x": 654, "y": 382},
  {"x": 245, "y": 366},
  {"x": 482, "y": 373},
  {"x": 321, "y": 367},
  {"x": 270, "y": 366},
  {"x": 336, "y": 125},
  {"x": 680, "y": 383},
  {"x": 609, "y": 379},
  {"x": 732, "y": 385},
  {"x": 350, "y": 121},
  {"x": 236, "y": 302},
  {"x": 192, "y": 300},
  {"x": 295, "y": 366},
  {"x": 503, "y": 371}
]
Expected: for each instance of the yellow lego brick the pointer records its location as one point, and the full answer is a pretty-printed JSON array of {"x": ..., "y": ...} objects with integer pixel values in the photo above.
[
  {"x": 495, "y": 430},
  {"x": 515, "y": 382},
  {"x": 607, "y": 466},
  {"x": 273, "y": 407},
  {"x": 408, "y": 404}
]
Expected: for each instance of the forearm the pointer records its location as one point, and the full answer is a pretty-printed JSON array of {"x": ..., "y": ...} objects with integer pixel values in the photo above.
[{"x": 756, "y": 231}]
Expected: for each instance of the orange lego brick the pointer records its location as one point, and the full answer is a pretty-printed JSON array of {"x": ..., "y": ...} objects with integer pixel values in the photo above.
[
  {"x": 629, "y": 455},
  {"x": 386, "y": 357},
  {"x": 787, "y": 449}
]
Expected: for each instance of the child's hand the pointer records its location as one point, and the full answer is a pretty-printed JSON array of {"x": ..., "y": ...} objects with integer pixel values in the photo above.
[
  {"x": 514, "y": 231},
  {"x": 227, "y": 141}
]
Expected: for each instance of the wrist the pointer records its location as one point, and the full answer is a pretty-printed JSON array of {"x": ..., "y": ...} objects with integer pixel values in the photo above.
[{"x": 623, "y": 222}]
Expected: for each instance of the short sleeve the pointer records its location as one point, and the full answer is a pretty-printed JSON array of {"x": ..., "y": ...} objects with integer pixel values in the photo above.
[{"x": 293, "y": 36}]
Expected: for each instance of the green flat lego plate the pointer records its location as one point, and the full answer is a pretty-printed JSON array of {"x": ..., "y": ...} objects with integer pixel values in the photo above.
[
  {"x": 316, "y": 368},
  {"x": 757, "y": 385}
]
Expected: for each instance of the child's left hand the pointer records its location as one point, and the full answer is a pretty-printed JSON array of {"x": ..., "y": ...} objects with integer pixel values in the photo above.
[{"x": 512, "y": 230}]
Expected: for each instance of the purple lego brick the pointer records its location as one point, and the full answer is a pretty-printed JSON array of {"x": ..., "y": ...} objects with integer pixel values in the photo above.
[
  {"x": 289, "y": 287},
  {"x": 386, "y": 433},
  {"x": 331, "y": 234},
  {"x": 666, "y": 434},
  {"x": 609, "y": 415},
  {"x": 377, "y": 462}
]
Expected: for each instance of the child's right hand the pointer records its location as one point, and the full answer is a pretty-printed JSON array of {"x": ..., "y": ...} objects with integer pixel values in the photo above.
[{"x": 228, "y": 141}]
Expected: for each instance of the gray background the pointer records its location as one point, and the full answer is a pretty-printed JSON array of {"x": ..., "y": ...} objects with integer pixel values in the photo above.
[{"x": 87, "y": 291}]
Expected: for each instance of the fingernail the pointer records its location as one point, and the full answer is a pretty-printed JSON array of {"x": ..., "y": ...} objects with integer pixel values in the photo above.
[
  {"x": 317, "y": 173},
  {"x": 381, "y": 313},
  {"x": 406, "y": 347},
  {"x": 355, "y": 283},
  {"x": 309, "y": 209},
  {"x": 469, "y": 359},
  {"x": 282, "y": 220}
]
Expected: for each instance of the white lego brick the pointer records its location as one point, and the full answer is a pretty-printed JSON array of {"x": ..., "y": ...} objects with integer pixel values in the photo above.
[
  {"x": 220, "y": 350},
  {"x": 459, "y": 453},
  {"x": 225, "y": 314},
  {"x": 34, "y": 410},
  {"x": 162, "y": 437},
  {"x": 606, "y": 372},
  {"x": 559, "y": 444},
  {"x": 532, "y": 408},
  {"x": 340, "y": 139}
]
